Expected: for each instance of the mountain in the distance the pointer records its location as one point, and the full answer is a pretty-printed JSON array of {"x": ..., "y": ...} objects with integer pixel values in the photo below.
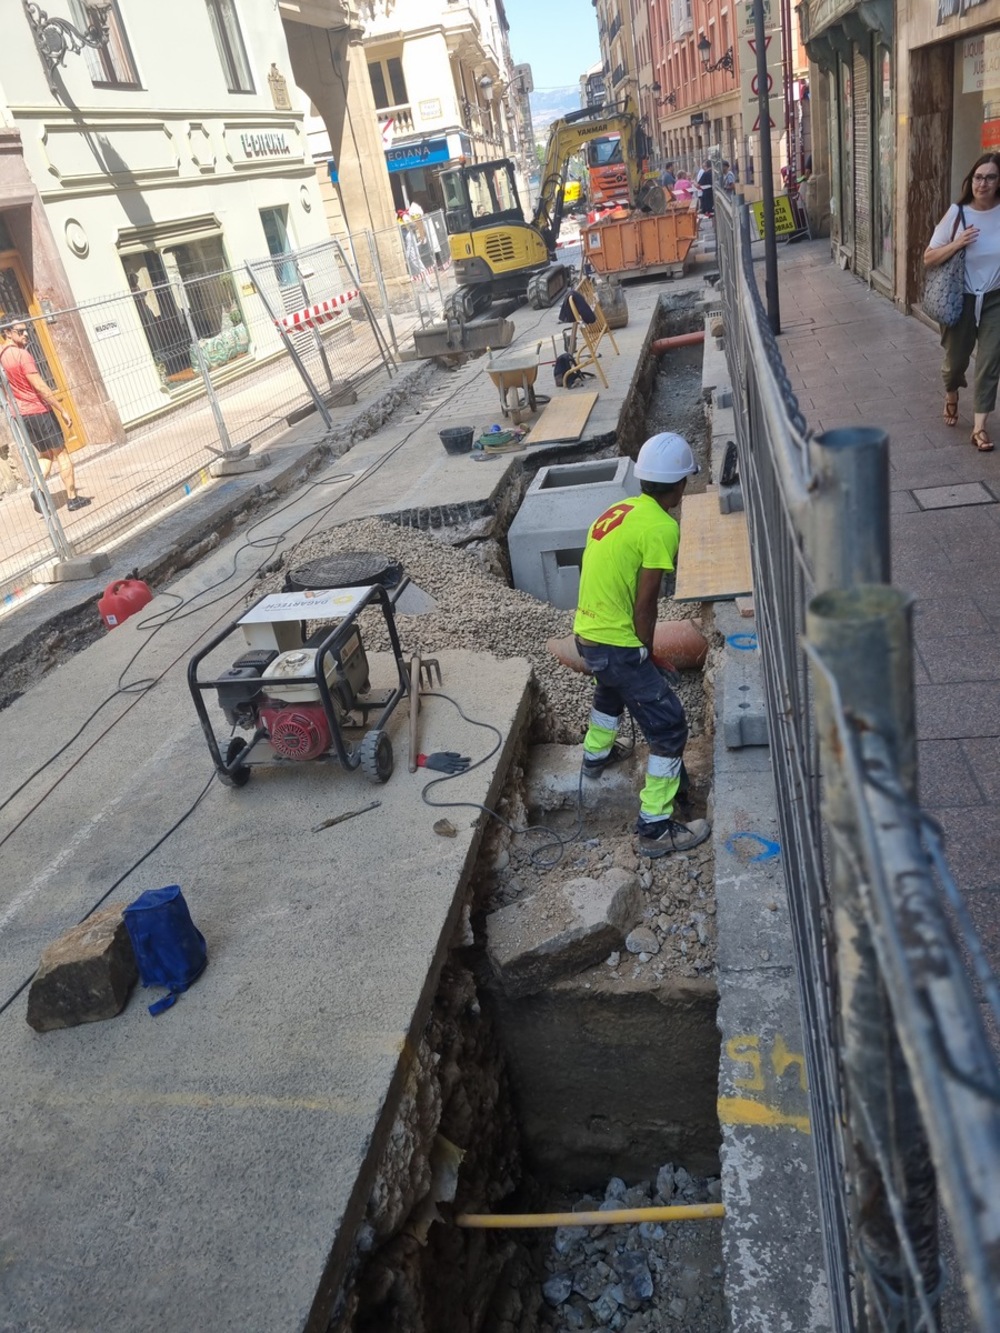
[{"x": 550, "y": 104}]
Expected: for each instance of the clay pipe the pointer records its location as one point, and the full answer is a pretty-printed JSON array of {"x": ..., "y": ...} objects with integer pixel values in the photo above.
[{"x": 660, "y": 345}]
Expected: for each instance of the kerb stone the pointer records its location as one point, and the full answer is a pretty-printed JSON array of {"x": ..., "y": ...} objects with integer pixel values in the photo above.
[
  {"x": 85, "y": 975},
  {"x": 561, "y": 929}
]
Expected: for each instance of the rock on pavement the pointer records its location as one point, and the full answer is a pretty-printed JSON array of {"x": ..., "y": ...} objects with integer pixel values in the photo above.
[
  {"x": 85, "y": 975},
  {"x": 561, "y": 929}
]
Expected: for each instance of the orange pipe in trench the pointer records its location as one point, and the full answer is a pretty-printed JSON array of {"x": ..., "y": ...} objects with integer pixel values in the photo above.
[
  {"x": 687, "y": 1212},
  {"x": 678, "y": 340}
]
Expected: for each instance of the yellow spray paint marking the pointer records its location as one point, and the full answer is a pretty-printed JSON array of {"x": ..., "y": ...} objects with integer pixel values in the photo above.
[
  {"x": 746, "y": 1111},
  {"x": 763, "y": 1071}
]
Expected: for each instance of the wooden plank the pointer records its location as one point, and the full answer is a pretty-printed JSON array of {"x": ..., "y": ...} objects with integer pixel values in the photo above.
[
  {"x": 714, "y": 560},
  {"x": 564, "y": 418}
]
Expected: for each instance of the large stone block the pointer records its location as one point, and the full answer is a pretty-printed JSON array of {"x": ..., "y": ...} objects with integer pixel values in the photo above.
[
  {"x": 85, "y": 975},
  {"x": 562, "y": 929}
]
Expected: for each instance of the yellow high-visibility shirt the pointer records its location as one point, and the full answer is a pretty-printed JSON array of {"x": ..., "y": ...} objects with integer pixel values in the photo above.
[{"x": 633, "y": 534}]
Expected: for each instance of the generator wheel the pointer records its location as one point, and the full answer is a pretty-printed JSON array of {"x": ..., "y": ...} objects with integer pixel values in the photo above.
[
  {"x": 376, "y": 756},
  {"x": 240, "y": 776}
]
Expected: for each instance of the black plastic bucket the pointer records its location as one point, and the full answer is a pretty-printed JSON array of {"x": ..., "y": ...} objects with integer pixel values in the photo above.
[{"x": 457, "y": 439}]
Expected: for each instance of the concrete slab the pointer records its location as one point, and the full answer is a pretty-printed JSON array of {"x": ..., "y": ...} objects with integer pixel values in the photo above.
[
  {"x": 220, "y": 1155},
  {"x": 775, "y": 1275}
]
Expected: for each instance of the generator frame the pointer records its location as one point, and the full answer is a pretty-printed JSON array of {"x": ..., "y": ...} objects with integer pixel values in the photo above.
[{"x": 373, "y": 751}]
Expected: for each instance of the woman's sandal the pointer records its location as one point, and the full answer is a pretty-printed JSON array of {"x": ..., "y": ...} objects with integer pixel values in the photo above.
[
  {"x": 982, "y": 441},
  {"x": 950, "y": 411}
]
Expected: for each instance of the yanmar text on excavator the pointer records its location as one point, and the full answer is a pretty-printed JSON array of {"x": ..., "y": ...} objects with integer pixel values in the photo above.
[{"x": 495, "y": 250}]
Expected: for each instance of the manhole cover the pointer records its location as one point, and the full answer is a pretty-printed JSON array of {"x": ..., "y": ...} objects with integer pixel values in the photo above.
[{"x": 347, "y": 569}]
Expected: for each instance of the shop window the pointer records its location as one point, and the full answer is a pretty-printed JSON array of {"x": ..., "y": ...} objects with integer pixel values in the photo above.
[
  {"x": 192, "y": 275},
  {"x": 111, "y": 65},
  {"x": 229, "y": 41}
]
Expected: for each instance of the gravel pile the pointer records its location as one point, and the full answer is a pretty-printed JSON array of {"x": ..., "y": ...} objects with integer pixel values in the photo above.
[
  {"x": 477, "y": 611},
  {"x": 650, "y": 1278}
]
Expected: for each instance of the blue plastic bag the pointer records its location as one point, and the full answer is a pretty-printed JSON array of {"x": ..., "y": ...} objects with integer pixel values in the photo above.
[{"x": 169, "y": 948}]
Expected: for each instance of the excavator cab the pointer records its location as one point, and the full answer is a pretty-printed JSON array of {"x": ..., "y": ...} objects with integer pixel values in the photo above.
[
  {"x": 495, "y": 252},
  {"x": 481, "y": 195}
]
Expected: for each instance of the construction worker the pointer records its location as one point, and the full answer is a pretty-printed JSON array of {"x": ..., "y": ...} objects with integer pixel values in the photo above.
[{"x": 629, "y": 549}]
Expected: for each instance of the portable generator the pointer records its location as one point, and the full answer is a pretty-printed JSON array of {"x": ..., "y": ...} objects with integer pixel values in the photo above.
[{"x": 299, "y": 693}]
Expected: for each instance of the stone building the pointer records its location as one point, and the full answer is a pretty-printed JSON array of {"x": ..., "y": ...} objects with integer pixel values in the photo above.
[
  {"x": 138, "y": 161},
  {"x": 444, "y": 89}
]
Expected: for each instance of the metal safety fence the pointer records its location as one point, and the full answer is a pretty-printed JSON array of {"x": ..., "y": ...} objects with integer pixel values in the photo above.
[
  {"x": 191, "y": 364},
  {"x": 893, "y": 982}
]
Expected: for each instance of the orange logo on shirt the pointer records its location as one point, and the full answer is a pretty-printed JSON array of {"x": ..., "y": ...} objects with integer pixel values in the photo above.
[{"x": 609, "y": 520}]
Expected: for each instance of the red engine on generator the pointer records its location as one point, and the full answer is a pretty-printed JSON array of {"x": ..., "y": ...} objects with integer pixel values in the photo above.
[{"x": 296, "y": 731}]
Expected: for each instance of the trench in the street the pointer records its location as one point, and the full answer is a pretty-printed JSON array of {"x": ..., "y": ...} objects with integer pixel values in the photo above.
[{"x": 592, "y": 1088}]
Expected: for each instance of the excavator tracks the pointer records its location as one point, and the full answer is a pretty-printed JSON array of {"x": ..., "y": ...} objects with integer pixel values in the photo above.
[{"x": 545, "y": 288}]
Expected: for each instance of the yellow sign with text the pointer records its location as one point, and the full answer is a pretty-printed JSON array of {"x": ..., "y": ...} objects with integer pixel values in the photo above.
[{"x": 784, "y": 217}]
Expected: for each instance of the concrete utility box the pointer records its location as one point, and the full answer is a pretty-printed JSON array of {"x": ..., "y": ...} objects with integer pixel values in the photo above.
[{"x": 549, "y": 531}]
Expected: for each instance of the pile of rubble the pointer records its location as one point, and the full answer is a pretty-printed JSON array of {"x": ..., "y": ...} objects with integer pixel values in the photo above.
[{"x": 651, "y": 1277}]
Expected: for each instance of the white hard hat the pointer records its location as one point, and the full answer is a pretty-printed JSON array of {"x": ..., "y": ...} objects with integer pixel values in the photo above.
[{"x": 666, "y": 458}]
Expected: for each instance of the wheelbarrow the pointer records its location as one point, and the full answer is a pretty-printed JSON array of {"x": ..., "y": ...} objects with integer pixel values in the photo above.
[{"x": 514, "y": 374}]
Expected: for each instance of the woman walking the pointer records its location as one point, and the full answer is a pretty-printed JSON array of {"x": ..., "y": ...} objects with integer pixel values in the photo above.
[{"x": 973, "y": 224}]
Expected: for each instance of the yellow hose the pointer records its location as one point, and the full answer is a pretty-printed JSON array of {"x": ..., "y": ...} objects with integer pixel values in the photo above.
[{"x": 692, "y": 1212}]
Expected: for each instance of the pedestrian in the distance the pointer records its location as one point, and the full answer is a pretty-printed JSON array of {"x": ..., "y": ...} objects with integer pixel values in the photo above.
[
  {"x": 728, "y": 178},
  {"x": 667, "y": 176},
  {"x": 40, "y": 411},
  {"x": 973, "y": 224},
  {"x": 629, "y": 549},
  {"x": 703, "y": 180}
]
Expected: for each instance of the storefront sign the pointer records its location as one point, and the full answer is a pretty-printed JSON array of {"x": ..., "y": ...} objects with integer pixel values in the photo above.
[
  {"x": 431, "y": 109},
  {"x": 269, "y": 143},
  {"x": 981, "y": 62},
  {"x": 948, "y": 9},
  {"x": 409, "y": 157},
  {"x": 784, "y": 217}
]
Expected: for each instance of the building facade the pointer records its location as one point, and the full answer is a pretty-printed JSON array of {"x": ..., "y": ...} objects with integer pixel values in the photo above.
[
  {"x": 168, "y": 153},
  {"x": 444, "y": 89}
]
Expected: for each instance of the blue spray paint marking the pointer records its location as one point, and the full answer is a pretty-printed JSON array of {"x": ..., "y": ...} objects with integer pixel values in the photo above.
[
  {"x": 769, "y": 850},
  {"x": 744, "y": 643}
]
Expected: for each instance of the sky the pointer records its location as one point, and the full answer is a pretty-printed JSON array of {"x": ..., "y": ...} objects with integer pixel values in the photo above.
[{"x": 557, "y": 38}]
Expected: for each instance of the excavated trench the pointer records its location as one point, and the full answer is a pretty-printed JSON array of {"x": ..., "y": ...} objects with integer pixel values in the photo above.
[{"x": 557, "y": 1072}]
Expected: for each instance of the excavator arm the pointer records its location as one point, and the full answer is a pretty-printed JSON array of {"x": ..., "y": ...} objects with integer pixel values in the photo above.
[{"x": 566, "y": 137}]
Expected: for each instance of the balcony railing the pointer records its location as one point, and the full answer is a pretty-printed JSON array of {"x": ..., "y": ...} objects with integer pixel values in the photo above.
[{"x": 401, "y": 117}]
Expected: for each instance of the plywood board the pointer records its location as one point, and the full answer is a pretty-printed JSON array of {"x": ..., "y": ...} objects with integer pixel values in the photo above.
[
  {"x": 714, "y": 560},
  {"x": 564, "y": 418}
]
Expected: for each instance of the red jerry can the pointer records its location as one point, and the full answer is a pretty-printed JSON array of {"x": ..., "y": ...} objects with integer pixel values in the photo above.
[{"x": 122, "y": 599}]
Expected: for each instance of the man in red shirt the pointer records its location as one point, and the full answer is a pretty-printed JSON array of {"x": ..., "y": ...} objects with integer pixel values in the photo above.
[{"x": 38, "y": 408}]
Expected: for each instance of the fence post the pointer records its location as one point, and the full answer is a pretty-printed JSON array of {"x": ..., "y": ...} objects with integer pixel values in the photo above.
[
  {"x": 68, "y": 565},
  {"x": 292, "y": 350},
  {"x": 862, "y": 636},
  {"x": 383, "y": 346},
  {"x": 849, "y": 537},
  {"x": 380, "y": 279}
]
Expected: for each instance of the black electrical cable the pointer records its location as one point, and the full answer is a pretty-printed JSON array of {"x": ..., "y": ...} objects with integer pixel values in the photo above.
[{"x": 558, "y": 840}]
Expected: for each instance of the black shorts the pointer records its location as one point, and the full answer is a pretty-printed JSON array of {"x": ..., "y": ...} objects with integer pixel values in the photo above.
[{"x": 44, "y": 432}]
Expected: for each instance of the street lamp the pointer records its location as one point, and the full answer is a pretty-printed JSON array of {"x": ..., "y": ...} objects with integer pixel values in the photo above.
[
  {"x": 56, "y": 37},
  {"x": 668, "y": 97},
  {"x": 724, "y": 61},
  {"x": 486, "y": 84}
]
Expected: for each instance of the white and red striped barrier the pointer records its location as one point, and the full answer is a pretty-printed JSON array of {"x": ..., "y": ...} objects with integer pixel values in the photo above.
[{"x": 315, "y": 315}]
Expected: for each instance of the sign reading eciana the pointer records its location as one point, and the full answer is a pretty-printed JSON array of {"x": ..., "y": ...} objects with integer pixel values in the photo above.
[{"x": 409, "y": 156}]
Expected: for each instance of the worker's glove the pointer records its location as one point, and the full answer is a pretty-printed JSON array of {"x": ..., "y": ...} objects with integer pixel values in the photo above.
[{"x": 445, "y": 761}]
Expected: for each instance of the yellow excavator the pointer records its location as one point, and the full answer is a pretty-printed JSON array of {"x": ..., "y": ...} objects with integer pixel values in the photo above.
[{"x": 495, "y": 250}]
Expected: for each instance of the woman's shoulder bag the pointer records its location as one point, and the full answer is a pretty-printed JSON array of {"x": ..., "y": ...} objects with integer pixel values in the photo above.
[{"x": 944, "y": 285}]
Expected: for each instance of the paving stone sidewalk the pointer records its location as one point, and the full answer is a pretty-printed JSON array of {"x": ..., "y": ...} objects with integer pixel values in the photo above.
[{"x": 854, "y": 359}]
